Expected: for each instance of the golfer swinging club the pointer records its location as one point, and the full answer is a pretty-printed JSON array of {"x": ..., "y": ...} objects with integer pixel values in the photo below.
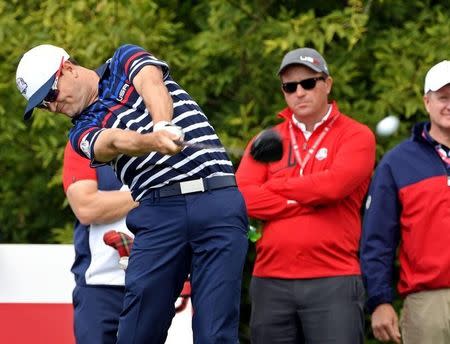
[{"x": 191, "y": 217}]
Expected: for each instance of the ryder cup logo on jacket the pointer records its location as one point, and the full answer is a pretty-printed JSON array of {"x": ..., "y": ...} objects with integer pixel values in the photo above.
[{"x": 321, "y": 154}]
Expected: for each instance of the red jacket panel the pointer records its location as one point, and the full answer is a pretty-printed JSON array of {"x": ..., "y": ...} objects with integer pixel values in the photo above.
[{"x": 312, "y": 221}]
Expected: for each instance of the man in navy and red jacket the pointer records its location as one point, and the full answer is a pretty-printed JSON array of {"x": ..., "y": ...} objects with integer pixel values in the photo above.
[{"x": 408, "y": 207}]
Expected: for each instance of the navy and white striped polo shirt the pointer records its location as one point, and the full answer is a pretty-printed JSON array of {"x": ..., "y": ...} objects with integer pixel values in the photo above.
[{"x": 120, "y": 106}]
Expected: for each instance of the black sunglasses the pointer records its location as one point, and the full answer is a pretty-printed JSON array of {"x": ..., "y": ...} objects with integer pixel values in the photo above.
[
  {"x": 52, "y": 95},
  {"x": 307, "y": 84}
]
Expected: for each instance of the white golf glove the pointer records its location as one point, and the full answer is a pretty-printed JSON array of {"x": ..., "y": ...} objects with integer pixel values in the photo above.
[{"x": 171, "y": 128}]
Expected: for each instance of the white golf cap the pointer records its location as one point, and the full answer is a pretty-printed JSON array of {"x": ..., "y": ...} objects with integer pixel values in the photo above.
[
  {"x": 36, "y": 73},
  {"x": 438, "y": 76}
]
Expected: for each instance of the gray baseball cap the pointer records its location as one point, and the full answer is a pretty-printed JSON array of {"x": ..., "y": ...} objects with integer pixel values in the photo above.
[{"x": 307, "y": 57}]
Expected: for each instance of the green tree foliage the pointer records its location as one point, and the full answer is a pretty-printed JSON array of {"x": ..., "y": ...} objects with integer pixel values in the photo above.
[
  {"x": 31, "y": 196},
  {"x": 226, "y": 54}
]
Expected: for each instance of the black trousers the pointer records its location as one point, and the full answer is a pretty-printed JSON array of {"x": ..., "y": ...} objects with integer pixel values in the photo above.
[{"x": 307, "y": 311}]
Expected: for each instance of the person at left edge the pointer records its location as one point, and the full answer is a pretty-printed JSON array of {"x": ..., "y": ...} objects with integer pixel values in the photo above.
[
  {"x": 100, "y": 203},
  {"x": 191, "y": 217}
]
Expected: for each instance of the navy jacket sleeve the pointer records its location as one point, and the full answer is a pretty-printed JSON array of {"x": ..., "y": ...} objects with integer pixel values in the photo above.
[{"x": 380, "y": 236}]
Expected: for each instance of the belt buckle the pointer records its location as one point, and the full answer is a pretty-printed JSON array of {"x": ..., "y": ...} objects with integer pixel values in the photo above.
[{"x": 191, "y": 186}]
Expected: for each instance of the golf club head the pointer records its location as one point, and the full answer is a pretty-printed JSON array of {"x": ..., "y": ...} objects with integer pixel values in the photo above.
[{"x": 267, "y": 146}]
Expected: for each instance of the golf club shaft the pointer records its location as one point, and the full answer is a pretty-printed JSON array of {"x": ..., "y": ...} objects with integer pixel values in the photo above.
[{"x": 197, "y": 145}]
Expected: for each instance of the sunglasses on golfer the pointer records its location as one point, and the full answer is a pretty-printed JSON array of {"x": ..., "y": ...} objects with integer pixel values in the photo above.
[
  {"x": 307, "y": 84},
  {"x": 53, "y": 93}
]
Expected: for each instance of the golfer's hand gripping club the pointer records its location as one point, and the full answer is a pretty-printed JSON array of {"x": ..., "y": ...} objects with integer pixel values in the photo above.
[
  {"x": 195, "y": 145},
  {"x": 171, "y": 128},
  {"x": 179, "y": 131}
]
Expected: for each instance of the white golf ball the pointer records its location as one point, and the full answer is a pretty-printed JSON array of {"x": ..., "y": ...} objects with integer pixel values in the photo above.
[{"x": 388, "y": 126}]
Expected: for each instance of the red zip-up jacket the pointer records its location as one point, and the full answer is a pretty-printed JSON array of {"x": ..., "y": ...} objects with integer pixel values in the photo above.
[{"x": 312, "y": 222}]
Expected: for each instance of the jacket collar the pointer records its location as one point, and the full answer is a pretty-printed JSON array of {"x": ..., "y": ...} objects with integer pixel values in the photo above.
[
  {"x": 287, "y": 113},
  {"x": 418, "y": 131}
]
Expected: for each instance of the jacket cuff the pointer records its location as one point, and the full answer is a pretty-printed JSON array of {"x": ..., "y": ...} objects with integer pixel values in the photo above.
[{"x": 374, "y": 301}]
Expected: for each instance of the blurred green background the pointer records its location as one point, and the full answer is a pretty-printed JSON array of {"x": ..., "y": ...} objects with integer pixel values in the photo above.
[{"x": 225, "y": 53}]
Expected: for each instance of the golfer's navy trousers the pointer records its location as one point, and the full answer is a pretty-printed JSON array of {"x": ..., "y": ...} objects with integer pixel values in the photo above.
[{"x": 204, "y": 234}]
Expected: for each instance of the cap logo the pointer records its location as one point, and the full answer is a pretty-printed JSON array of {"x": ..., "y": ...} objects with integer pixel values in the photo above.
[
  {"x": 22, "y": 85},
  {"x": 307, "y": 59}
]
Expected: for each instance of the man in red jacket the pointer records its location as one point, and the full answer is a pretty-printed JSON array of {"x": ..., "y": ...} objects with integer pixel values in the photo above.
[{"x": 306, "y": 285}]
